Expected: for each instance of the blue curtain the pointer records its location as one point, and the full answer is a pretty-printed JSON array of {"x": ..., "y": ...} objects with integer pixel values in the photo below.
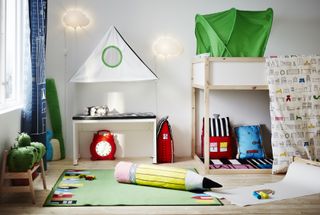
[{"x": 33, "y": 119}]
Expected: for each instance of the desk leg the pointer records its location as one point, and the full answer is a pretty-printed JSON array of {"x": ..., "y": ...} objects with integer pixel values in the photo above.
[
  {"x": 154, "y": 160},
  {"x": 75, "y": 143}
]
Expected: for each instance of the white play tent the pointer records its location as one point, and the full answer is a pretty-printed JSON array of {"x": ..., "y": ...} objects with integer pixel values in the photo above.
[{"x": 113, "y": 60}]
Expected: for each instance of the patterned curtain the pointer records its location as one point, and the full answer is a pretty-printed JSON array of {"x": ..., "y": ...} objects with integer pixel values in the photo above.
[
  {"x": 33, "y": 120},
  {"x": 294, "y": 88}
]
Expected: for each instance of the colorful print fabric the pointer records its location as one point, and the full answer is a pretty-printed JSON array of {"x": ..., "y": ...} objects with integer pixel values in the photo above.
[{"x": 294, "y": 89}]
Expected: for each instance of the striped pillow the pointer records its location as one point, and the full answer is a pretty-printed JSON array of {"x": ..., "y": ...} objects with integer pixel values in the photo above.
[{"x": 219, "y": 127}]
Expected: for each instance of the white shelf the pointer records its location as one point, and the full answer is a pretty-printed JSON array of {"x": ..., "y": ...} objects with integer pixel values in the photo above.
[{"x": 94, "y": 125}]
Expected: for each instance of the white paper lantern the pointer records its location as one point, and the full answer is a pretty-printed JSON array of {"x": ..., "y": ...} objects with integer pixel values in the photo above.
[
  {"x": 166, "y": 46},
  {"x": 75, "y": 18}
]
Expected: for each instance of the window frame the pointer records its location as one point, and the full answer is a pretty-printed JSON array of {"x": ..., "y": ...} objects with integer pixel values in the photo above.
[{"x": 14, "y": 100}]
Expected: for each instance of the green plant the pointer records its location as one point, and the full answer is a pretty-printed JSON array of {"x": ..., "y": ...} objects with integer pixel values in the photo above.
[
  {"x": 21, "y": 159},
  {"x": 23, "y": 139},
  {"x": 41, "y": 150}
]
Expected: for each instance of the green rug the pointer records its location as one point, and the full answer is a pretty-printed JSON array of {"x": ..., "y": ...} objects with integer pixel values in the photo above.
[{"x": 106, "y": 191}]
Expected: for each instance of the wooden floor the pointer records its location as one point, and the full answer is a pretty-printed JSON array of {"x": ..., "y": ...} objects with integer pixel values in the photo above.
[{"x": 21, "y": 203}]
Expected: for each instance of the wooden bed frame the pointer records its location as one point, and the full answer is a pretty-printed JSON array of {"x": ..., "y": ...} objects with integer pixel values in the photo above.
[{"x": 216, "y": 73}]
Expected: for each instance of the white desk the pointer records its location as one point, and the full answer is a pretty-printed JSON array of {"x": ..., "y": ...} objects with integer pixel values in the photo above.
[{"x": 79, "y": 120}]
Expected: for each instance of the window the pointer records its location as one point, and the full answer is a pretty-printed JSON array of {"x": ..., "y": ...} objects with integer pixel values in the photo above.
[{"x": 12, "y": 49}]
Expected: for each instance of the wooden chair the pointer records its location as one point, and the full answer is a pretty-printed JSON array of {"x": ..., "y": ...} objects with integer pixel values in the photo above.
[{"x": 5, "y": 175}]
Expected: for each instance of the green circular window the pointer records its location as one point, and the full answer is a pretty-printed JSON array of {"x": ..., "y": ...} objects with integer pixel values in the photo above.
[{"x": 111, "y": 56}]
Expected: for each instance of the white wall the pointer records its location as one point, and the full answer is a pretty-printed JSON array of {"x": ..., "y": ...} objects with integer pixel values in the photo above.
[
  {"x": 9, "y": 128},
  {"x": 295, "y": 31}
]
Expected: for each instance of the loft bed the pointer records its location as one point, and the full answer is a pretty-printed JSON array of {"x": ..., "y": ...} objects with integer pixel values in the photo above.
[
  {"x": 223, "y": 73},
  {"x": 218, "y": 73}
]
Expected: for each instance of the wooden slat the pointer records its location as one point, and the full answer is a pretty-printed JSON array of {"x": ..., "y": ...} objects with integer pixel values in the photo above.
[
  {"x": 301, "y": 160},
  {"x": 13, "y": 175},
  {"x": 3, "y": 168},
  {"x": 233, "y": 87},
  {"x": 198, "y": 86},
  {"x": 236, "y": 59},
  {"x": 206, "y": 116},
  {"x": 35, "y": 167},
  {"x": 240, "y": 171},
  {"x": 199, "y": 60},
  {"x": 44, "y": 183},
  {"x": 199, "y": 165},
  {"x": 22, "y": 175},
  {"x": 238, "y": 87},
  {"x": 193, "y": 122},
  {"x": 15, "y": 189}
]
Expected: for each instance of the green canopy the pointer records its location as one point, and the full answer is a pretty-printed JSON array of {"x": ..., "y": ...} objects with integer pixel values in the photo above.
[{"x": 233, "y": 33}]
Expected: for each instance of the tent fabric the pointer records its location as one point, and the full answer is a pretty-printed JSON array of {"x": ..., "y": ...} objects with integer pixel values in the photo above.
[
  {"x": 113, "y": 60},
  {"x": 233, "y": 33}
]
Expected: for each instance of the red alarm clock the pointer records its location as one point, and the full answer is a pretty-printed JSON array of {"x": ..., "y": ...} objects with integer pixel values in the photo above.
[{"x": 102, "y": 146}]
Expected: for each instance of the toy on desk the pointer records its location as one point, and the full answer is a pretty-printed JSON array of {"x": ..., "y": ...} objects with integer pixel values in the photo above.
[
  {"x": 162, "y": 176},
  {"x": 263, "y": 194},
  {"x": 88, "y": 177},
  {"x": 97, "y": 110},
  {"x": 260, "y": 195},
  {"x": 75, "y": 175}
]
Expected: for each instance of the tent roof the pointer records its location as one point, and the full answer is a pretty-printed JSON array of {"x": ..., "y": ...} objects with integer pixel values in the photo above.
[
  {"x": 233, "y": 33},
  {"x": 113, "y": 60}
]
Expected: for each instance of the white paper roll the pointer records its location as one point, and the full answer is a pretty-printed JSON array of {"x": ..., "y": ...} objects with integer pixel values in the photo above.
[{"x": 301, "y": 179}]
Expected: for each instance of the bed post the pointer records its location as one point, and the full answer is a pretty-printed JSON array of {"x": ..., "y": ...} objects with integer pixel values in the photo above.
[{"x": 206, "y": 116}]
